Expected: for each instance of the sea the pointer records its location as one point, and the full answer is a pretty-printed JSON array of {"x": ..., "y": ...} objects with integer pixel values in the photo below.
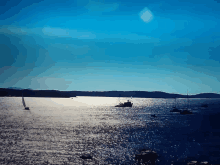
[{"x": 61, "y": 130}]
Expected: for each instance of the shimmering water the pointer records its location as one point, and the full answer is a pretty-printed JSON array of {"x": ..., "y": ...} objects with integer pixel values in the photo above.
[{"x": 60, "y": 130}]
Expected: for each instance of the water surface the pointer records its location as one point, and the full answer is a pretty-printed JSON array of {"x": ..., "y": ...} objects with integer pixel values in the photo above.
[{"x": 60, "y": 130}]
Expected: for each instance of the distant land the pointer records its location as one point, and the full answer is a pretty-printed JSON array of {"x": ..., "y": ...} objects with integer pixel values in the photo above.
[{"x": 17, "y": 92}]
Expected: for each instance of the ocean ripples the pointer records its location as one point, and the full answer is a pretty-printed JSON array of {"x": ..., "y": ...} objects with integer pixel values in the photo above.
[{"x": 52, "y": 134}]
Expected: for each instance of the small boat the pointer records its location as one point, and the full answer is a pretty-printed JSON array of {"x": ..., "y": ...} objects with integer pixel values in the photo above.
[
  {"x": 185, "y": 112},
  {"x": 153, "y": 115},
  {"x": 125, "y": 104},
  {"x": 26, "y": 108},
  {"x": 175, "y": 109},
  {"x": 204, "y": 105}
]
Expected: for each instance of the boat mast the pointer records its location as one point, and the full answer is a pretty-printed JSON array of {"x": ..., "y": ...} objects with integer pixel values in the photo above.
[
  {"x": 119, "y": 98},
  {"x": 187, "y": 100},
  {"x": 175, "y": 101}
]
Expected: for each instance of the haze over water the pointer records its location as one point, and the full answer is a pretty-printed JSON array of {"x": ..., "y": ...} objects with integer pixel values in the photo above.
[{"x": 60, "y": 130}]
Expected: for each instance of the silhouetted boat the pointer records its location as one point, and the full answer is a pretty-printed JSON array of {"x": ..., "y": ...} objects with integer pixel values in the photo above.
[
  {"x": 204, "y": 105},
  {"x": 175, "y": 109},
  {"x": 26, "y": 108},
  {"x": 186, "y": 111},
  {"x": 125, "y": 104}
]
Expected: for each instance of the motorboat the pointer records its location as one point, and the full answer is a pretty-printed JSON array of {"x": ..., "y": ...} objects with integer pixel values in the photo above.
[{"x": 125, "y": 104}]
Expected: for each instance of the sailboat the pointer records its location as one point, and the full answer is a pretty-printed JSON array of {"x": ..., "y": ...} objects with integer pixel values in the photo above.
[
  {"x": 26, "y": 108},
  {"x": 186, "y": 111},
  {"x": 175, "y": 109}
]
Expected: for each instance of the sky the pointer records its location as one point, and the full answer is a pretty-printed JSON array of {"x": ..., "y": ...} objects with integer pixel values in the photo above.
[{"x": 104, "y": 45}]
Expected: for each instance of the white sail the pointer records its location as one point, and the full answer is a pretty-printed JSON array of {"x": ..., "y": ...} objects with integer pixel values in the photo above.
[{"x": 23, "y": 102}]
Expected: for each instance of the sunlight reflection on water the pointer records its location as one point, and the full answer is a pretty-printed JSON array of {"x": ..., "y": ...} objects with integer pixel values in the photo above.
[{"x": 59, "y": 130}]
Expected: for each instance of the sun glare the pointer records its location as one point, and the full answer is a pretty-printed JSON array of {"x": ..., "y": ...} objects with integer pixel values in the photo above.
[
  {"x": 146, "y": 15},
  {"x": 96, "y": 101}
]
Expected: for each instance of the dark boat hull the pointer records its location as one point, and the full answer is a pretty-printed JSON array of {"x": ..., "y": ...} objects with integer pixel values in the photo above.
[
  {"x": 175, "y": 110},
  {"x": 185, "y": 112},
  {"x": 126, "y": 104},
  {"x": 123, "y": 106}
]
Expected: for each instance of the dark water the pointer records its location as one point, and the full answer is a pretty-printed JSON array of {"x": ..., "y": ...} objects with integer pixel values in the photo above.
[{"x": 59, "y": 131}]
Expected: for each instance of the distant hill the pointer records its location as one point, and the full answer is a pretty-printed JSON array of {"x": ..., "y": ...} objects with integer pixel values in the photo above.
[
  {"x": 206, "y": 95},
  {"x": 17, "y": 92},
  {"x": 12, "y": 92},
  {"x": 143, "y": 94},
  {"x": 15, "y": 88}
]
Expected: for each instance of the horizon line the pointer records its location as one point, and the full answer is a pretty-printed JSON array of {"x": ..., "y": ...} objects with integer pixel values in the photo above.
[{"x": 18, "y": 88}]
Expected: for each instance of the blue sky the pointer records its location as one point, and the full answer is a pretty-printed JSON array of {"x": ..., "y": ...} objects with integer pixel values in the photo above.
[{"x": 170, "y": 46}]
